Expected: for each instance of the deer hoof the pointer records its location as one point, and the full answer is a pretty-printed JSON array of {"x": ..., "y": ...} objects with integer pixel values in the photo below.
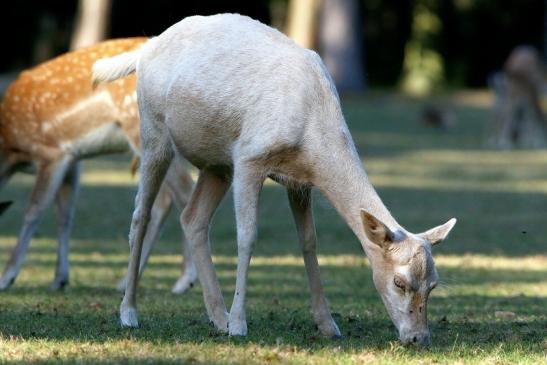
[
  {"x": 128, "y": 316},
  {"x": 58, "y": 284},
  {"x": 183, "y": 284},
  {"x": 237, "y": 327},
  {"x": 330, "y": 329},
  {"x": 6, "y": 282}
]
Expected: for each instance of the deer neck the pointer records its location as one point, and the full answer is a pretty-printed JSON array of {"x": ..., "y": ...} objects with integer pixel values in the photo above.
[{"x": 341, "y": 177}]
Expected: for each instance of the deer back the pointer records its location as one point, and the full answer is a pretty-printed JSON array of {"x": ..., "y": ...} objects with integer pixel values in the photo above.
[{"x": 53, "y": 107}]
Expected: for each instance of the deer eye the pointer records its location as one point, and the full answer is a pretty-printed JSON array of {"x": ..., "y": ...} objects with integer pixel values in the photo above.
[{"x": 399, "y": 283}]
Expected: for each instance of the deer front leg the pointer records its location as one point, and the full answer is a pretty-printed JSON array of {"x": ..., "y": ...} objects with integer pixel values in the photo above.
[
  {"x": 247, "y": 186},
  {"x": 195, "y": 221},
  {"x": 65, "y": 205},
  {"x": 157, "y": 155},
  {"x": 48, "y": 180},
  {"x": 301, "y": 206}
]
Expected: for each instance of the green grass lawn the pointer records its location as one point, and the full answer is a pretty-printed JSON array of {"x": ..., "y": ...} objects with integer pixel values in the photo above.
[{"x": 495, "y": 260}]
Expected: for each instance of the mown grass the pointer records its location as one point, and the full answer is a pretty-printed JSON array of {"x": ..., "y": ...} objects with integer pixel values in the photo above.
[{"x": 496, "y": 259}]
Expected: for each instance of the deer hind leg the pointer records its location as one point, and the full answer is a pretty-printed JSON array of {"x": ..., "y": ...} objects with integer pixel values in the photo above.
[
  {"x": 189, "y": 271},
  {"x": 181, "y": 185},
  {"x": 195, "y": 220},
  {"x": 301, "y": 207},
  {"x": 7, "y": 169},
  {"x": 65, "y": 201},
  {"x": 518, "y": 116},
  {"x": 176, "y": 188},
  {"x": 156, "y": 157},
  {"x": 247, "y": 186},
  {"x": 538, "y": 117},
  {"x": 160, "y": 210},
  {"x": 48, "y": 181}
]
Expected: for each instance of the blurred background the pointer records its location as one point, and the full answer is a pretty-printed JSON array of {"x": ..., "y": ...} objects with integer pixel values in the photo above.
[
  {"x": 432, "y": 91},
  {"x": 417, "y": 46}
]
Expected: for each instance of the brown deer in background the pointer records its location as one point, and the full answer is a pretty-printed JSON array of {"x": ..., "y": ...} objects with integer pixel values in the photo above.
[
  {"x": 50, "y": 119},
  {"x": 518, "y": 117}
]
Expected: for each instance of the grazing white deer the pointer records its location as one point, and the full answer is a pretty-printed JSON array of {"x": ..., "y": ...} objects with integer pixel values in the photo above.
[
  {"x": 50, "y": 119},
  {"x": 242, "y": 102}
]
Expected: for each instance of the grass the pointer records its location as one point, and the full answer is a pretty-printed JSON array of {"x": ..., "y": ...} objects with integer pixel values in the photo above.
[{"x": 496, "y": 259}]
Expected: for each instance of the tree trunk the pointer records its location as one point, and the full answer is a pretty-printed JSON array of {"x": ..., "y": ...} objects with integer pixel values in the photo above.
[
  {"x": 91, "y": 22},
  {"x": 301, "y": 21},
  {"x": 340, "y": 43},
  {"x": 545, "y": 32}
]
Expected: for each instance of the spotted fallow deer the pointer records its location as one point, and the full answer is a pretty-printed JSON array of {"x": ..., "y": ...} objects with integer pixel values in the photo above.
[
  {"x": 243, "y": 102},
  {"x": 50, "y": 119}
]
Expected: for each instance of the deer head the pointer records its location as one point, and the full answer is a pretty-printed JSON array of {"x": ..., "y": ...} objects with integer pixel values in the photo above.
[{"x": 405, "y": 274}]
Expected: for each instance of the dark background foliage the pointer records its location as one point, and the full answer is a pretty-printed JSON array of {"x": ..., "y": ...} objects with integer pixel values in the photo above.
[{"x": 474, "y": 39}]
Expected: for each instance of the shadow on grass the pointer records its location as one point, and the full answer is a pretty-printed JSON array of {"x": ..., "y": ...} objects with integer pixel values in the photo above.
[
  {"x": 277, "y": 311},
  {"x": 289, "y": 326},
  {"x": 489, "y": 223}
]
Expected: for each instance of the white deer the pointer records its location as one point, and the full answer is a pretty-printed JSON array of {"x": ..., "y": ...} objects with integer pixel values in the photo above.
[
  {"x": 50, "y": 119},
  {"x": 243, "y": 102}
]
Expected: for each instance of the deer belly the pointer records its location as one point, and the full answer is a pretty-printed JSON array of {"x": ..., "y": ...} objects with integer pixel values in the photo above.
[
  {"x": 204, "y": 142},
  {"x": 108, "y": 138},
  {"x": 206, "y": 153}
]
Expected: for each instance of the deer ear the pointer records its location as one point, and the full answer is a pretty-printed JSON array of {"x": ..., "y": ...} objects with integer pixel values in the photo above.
[
  {"x": 377, "y": 231},
  {"x": 439, "y": 233}
]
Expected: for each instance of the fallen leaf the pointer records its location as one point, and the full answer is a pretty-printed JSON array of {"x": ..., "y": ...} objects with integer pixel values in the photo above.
[{"x": 505, "y": 315}]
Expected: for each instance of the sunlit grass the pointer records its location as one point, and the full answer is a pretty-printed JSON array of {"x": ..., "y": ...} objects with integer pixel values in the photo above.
[{"x": 495, "y": 260}]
